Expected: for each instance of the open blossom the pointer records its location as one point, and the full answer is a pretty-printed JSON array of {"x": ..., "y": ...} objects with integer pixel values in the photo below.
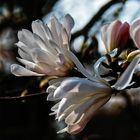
[
  {"x": 115, "y": 35},
  {"x": 42, "y": 52},
  {"x": 80, "y": 98}
]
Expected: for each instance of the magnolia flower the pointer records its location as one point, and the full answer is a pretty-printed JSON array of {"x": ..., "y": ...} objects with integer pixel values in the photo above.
[
  {"x": 79, "y": 98},
  {"x": 115, "y": 35},
  {"x": 42, "y": 52}
]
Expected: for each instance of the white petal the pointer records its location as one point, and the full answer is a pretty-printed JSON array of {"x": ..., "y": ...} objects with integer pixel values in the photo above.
[
  {"x": 104, "y": 35},
  {"x": 98, "y": 65},
  {"x": 29, "y": 65},
  {"x": 53, "y": 87},
  {"x": 137, "y": 36},
  {"x": 137, "y": 68},
  {"x": 78, "y": 102},
  {"x": 27, "y": 38},
  {"x": 77, "y": 114},
  {"x": 24, "y": 54},
  {"x": 68, "y": 23},
  {"x": 21, "y": 71},
  {"x": 53, "y": 27},
  {"x": 76, "y": 128},
  {"x": 37, "y": 29},
  {"x": 127, "y": 75},
  {"x": 79, "y": 86},
  {"x": 39, "y": 55},
  {"x": 55, "y": 107},
  {"x": 133, "y": 26},
  {"x": 65, "y": 37},
  {"x": 72, "y": 57}
]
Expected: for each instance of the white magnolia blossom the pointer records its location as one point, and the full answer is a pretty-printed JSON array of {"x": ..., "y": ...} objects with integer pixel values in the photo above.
[
  {"x": 80, "y": 98},
  {"x": 43, "y": 51}
]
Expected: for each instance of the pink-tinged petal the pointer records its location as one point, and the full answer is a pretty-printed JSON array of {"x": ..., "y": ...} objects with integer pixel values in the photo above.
[
  {"x": 68, "y": 105},
  {"x": 78, "y": 113},
  {"x": 133, "y": 26},
  {"x": 77, "y": 101},
  {"x": 127, "y": 75},
  {"x": 61, "y": 59},
  {"x": 76, "y": 128},
  {"x": 115, "y": 35},
  {"x": 111, "y": 34},
  {"x": 123, "y": 34},
  {"x": 136, "y": 36},
  {"x": 18, "y": 70},
  {"x": 68, "y": 24},
  {"x": 104, "y": 34}
]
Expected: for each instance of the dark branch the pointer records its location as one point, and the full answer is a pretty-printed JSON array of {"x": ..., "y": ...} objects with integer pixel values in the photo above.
[
  {"x": 26, "y": 97},
  {"x": 94, "y": 19}
]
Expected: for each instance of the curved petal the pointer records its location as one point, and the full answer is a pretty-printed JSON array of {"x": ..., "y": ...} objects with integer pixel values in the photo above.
[
  {"x": 68, "y": 24},
  {"x": 24, "y": 55},
  {"x": 104, "y": 35},
  {"x": 29, "y": 65},
  {"x": 98, "y": 64},
  {"x": 76, "y": 128},
  {"x": 127, "y": 75},
  {"x": 133, "y": 26},
  {"x": 27, "y": 38},
  {"x": 18, "y": 70},
  {"x": 78, "y": 113},
  {"x": 78, "y": 87},
  {"x": 72, "y": 57},
  {"x": 39, "y": 55},
  {"x": 111, "y": 34},
  {"x": 136, "y": 36}
]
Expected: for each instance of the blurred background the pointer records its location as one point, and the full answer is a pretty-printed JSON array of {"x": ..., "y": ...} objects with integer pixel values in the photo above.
[{"x": 24, "y": 112}]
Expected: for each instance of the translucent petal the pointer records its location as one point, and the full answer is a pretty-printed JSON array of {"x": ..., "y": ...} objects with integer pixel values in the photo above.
[
  {"x": 21, "y": 71},
  {"x": 127, "y": 75}
]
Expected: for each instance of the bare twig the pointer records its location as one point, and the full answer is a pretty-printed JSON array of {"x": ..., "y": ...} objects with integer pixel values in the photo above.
[
  {"x": 26, "y": 97},
  {"x": 94, "y": 19}
]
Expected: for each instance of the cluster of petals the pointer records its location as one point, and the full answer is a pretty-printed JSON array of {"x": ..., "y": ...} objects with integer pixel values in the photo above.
[
  {"x": 42, "y": 52},
  {"x": 80, "y": 98},
  {"x": 115, "y": 35}
]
